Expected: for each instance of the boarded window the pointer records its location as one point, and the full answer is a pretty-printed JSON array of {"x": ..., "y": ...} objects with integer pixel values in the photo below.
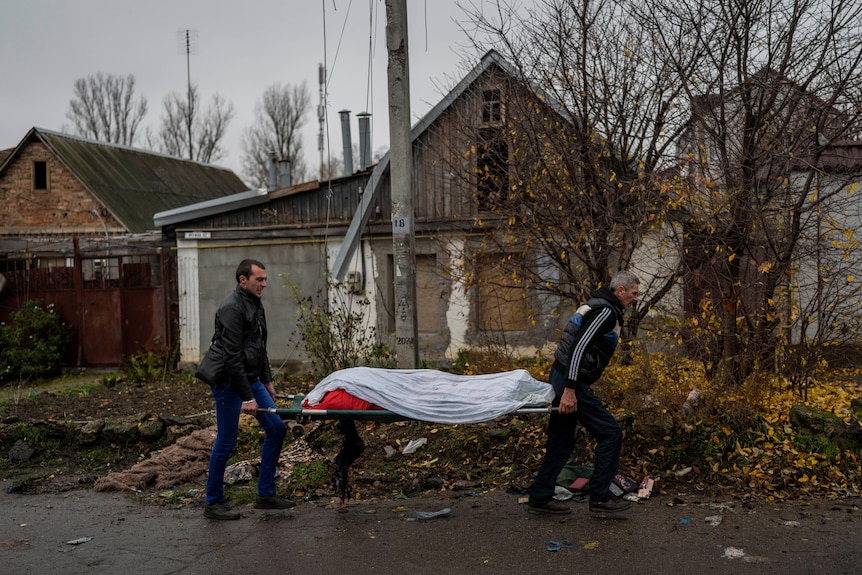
[
  {"x": 492, "y": 170},
  {"x": 502, "y": 304},
  {"x": 141, "y": 271},
  {"x": 427, "y": 294},
  {"x": 40, "y": 175}
]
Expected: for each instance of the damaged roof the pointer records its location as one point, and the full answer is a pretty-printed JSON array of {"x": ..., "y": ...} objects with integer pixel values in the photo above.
[{"x": 135, "y": 184}]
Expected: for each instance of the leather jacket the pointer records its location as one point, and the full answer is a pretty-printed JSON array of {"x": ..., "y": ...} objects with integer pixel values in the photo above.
[{"x": 240, "y": 336}]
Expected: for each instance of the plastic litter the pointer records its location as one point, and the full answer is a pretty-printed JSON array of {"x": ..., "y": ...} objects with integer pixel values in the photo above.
[
  {"x": 414, "y": 445},
  {"x": 557, "y": 545},
  {"x": 733, "y": 553},
  {"x": 421, "y": 515},
  {"x": 714, "y": 520},
  {"x": 645, "y": 487},
  {"x": 561, "y": 493},
  {"x": 79, "y": 540}
]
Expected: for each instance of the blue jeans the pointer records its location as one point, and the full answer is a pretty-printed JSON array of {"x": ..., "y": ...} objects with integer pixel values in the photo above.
[
  {"x": 228, "y": 408},
  {"x": 599, "y": 422}
]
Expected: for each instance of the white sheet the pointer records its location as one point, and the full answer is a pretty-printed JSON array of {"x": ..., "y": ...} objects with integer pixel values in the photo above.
[{"x": 437, "y": 396}]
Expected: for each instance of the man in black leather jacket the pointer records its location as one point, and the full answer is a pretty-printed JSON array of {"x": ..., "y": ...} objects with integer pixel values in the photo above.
[
  {"x": 585, "y": 348},
  {"x": 243, "y": 385}
]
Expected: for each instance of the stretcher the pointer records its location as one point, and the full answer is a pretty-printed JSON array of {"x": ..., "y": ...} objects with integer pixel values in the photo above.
[
  {"x": 297, "y": 412},
  {"x": 352, "y": 444},
  {"x": 389, "y": 395}
]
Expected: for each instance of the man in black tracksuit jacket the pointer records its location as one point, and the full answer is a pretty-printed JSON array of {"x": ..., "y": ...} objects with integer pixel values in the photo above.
[{"x": 585, "y": 348}]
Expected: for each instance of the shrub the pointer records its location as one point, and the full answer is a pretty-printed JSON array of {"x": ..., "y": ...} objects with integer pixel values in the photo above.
[
  {"x": 33, "y": 344},
  {"x": 337, "y": 330}
]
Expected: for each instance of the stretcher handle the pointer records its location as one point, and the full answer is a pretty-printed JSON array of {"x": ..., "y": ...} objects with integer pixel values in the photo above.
[{"x": 379, "y": 412}]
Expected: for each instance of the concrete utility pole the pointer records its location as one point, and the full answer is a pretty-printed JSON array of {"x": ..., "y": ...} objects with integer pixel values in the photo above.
[{"x": 401, "y": 176}]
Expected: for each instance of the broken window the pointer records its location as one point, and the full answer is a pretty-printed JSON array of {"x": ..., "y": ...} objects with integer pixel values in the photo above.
[
  {"x": 492, "y": 169},
  {"x": 502, "y": 296},
  {"x": 492, "y": 106}
]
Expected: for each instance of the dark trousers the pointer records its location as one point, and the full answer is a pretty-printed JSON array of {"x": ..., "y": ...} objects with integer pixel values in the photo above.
[{"x": 600, "y": 424}]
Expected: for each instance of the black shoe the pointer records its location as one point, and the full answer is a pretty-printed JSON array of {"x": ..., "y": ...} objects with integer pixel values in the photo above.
[
  {"x": 273, "y": 502},
  {"x": 602, "y": 508},
  {"x": 220, "y": 511},
  {"x": 552, "y": 507}
]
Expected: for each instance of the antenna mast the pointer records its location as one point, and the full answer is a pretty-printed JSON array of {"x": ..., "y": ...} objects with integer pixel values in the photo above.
[{"x": 188, "y": 40}]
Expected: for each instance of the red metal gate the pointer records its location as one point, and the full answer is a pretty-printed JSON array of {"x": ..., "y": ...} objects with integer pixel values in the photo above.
[{"x": 115, "y": 305}]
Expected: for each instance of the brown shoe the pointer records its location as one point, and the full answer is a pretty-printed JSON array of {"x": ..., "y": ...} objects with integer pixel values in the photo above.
[{"x": 552, "y": 507}]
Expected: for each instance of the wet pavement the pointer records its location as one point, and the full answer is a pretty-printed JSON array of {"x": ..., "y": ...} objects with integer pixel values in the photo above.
[{"x": 481, "y": 533}]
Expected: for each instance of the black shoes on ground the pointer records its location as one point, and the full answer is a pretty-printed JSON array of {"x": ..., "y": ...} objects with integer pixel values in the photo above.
[
  {"x": 552, "y": 507},
  {"x": 223, "y": 512},
  {"x": 597, "y": 508},
  {"x": 273, "y": 502},
  {"x": 602, "y": 508},
  {"x": 220, "y": 512}
]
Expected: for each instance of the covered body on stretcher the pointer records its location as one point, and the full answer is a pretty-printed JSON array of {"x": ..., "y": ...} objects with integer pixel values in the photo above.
[{"x": 420, "y": 394}]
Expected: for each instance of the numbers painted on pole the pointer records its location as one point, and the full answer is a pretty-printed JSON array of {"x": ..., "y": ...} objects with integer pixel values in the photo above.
[{"x": 400, "y": 225}]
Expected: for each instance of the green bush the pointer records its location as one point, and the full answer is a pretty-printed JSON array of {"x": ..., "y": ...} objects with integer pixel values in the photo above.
[{"x": 32, "y": 345}]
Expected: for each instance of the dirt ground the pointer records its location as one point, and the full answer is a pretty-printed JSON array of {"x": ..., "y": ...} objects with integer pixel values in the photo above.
[
  {"x": 103, "y": 396},
  {"x": 99, "y": 395},
  {"x": 63, "y": 525}
]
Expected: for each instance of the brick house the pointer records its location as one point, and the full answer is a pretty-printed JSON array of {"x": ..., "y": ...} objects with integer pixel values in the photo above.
[{"x": 76, "y": 233}]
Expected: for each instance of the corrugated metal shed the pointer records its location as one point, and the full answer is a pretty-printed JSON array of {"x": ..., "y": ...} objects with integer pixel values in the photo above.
[{"x": 134, "y": 184}]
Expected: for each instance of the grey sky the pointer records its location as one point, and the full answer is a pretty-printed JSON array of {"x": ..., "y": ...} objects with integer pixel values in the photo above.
[{"x": 242, "y": 48}]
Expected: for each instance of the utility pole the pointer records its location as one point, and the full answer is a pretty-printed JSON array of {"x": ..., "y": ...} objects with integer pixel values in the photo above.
[
  {"x": 321, "y": 116},
  {"x": 401, "y": 176}
]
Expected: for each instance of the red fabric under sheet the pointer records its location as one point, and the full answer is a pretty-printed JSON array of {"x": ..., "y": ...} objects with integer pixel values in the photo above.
[{"x": 340, "y": 399}]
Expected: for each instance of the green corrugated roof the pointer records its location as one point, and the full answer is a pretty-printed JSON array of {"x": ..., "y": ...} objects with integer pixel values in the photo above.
[{"x": 136, "y": 184}]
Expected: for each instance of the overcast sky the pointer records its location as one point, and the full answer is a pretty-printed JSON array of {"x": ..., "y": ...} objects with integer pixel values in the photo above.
[{"x": 241, "y": 49}]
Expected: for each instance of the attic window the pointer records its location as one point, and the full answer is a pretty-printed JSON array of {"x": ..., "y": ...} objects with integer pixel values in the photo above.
[
  {"x": 492, "y": 107},
  {"x": 40, "y": 175}
]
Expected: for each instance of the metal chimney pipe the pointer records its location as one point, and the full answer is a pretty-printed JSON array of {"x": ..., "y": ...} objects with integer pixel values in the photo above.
[
  {"x": 284, "y": 174},
  {"x": 346, "y": 142},
  {"x": 273, "y": 171},
  {"x": 364, "y": 140}
]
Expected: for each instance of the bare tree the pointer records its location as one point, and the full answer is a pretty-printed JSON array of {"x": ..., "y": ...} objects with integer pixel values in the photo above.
[
  {"x": 190, "y": 131},
  {"x": 721, "y": 132},
  {"x": 104, "y": 108},
  {"x": 769, "y": 179},
  {"x": 571, "y": 169},
  {"x": 279, "y": 117}
]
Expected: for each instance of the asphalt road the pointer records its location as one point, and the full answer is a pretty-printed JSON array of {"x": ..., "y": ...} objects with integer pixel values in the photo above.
[{"x": 83, "y": 531}]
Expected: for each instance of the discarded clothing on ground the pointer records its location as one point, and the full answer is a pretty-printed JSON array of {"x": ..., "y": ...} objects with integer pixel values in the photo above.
[
  {"x": 433, "y": 395},
  {"x": 185, "y": 460}
]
